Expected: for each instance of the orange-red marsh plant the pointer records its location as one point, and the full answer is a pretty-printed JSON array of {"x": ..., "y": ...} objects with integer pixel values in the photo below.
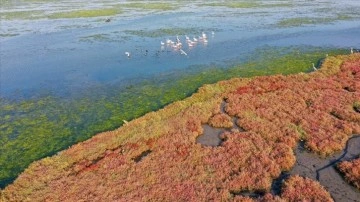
[
  {"x": 157, "y": 157},
  {"x": 351, "y": 170}
]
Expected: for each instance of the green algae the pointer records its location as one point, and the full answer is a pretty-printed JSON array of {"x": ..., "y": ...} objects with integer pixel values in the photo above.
[
  {"x": 8, "y": 35},
  {"x": 96, "y": 37},
  {"x": 300, "y": 21},
  {"x": 234, "y": 4},
  {"x": 248, "y": 4},
  {"x": 22, "y": 15},
  {"x": 36, "y": 128},
  {"x": 86, "y": 13},
  {"x": 163, "y": 32},
  {"x": 162, "y": 6}
]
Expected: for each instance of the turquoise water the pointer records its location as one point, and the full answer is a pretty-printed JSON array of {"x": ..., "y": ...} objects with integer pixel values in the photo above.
[{"x": 65, "y": 79}]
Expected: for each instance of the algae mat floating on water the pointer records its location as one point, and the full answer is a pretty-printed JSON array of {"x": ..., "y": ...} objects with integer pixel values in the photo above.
[{"x": 157, "y": 156}]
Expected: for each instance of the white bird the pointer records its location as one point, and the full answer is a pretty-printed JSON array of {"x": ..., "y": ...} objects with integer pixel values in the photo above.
[
  {"x": 127, "y": 54},
  {"x": 313, "y": 66},
  {"x": 204, "y": 35},
  {"x": 187, "y": 38},
  {"x": 177, "y": 39},
  {"x": 213, "y": 33},
  {"x": 351, "y": 50},
  {"x": 183, "y": 52},
  {"x": 162, "y": 43},
  {"x": 195, "y": 39}
]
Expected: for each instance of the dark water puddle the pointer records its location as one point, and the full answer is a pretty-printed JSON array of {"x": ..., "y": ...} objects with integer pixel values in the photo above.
[
  {"x": 323, "y": 170},
  {"x": 256, "y": 194},
  {"x": 211, "y": 136},
  {"x": 140, "y": 157}
]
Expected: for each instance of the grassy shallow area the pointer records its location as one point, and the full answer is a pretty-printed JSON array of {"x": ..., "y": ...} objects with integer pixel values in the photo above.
[
  {"x": 233, "y": 4},
  {"x": 294, "y": 22},
  {"x": 86, "y": 13},
  {"x": 33, "y": 129},
  {"x": 22, "y": 15},
  {"x": 162, "y": 6},
  {"x": 162, "y": 32}
]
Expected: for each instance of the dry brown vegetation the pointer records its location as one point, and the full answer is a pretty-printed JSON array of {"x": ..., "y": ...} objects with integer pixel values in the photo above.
[
  {"x": 351, "y": 170},
  {"x": 156, "y": 157}
]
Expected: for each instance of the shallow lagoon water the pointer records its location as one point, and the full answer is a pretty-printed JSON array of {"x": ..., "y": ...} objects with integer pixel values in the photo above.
[{"x": 65, "y": 79}]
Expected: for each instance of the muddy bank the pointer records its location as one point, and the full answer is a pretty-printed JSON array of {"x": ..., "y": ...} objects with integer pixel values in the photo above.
[{"x": 323, "y": 170}]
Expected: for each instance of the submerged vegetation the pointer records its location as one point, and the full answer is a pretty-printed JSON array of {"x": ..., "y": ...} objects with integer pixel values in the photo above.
[
  {"x": 32, "y": 129},
  {"x": 156, "y": 156},
  {"x": 234, "y": 4},
  {"x": 163, "y": 32},
  {"x": 299, "y": 21},
  {"x": 86, "y": 13},
  {"x": 150, "y": 5},
  {"x": 22, "y": 15}
]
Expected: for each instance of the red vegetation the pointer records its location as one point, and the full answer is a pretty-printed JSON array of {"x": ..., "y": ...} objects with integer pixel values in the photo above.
[
  {"x": 351, "y": 170},
  {"x": 295, "y": 188},
  {"x": 156, "y": 157},
  {"x": 221, "y": 120},
  {"x": 304, "y": 189}
]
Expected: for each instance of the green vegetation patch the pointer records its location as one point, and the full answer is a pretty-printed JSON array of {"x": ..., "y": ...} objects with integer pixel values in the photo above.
[
  {"x": 150, "y": 6},
  {"x": 96, "y": 38},
  {"x": 22, "y": 15},
  {"x": 8, "y": 35},
  {"x": 235, "y": 4},
  {"x": 293, "y": 22},
  {"x": 163, "y": 32},
  {"x": 36, "y": 128},
  {"x": 86, "y": 13}
]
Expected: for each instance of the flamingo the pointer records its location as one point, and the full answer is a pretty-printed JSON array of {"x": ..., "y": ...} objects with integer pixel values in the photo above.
[
  {"x": 187, "y": 38},
  {"x": 190, "y": 43},
  {"x": 183, "y": 52},
  {"x": 313, "y": 66},
  {"x": 351, "y": 50},
  {"x": 195, "y": 39},
  {"x": 204, "y": 35}
]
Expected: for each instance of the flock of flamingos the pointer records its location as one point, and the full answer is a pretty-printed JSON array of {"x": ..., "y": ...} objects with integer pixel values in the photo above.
[{"x": 177, "y": 45}]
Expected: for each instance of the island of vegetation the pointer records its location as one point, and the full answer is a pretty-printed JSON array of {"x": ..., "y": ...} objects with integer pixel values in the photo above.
[{"x": 159, "y": 156}]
